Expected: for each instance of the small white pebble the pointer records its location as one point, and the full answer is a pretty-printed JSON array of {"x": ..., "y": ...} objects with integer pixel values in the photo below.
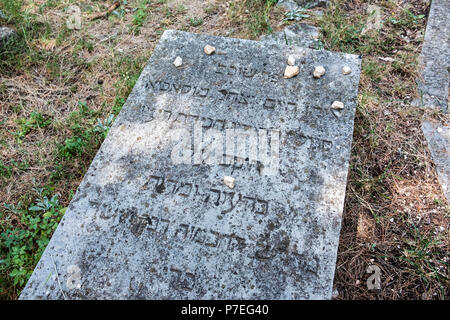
[
  {"x": 291, "y": 71},
  {"x": 319, "y": 71},
  {"x": 337, "y": 105},
  {"x": 209, "y": 50},
  {"x": 291, "y": 61},
  {"x": 229, "y": 181},
  {"x": 335, "y": 293},
  {"x": 346, "y": 70},
  {"x": 178, "y": 62}
]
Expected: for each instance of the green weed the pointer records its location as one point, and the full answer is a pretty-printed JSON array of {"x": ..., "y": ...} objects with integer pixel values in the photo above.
[
  {"x": 422, "y": 256},
  {"x": 24, "y": 234},
  {"x": 195, "y": 22},
  {"x": 36, "y": 120},
  {"x": 140, "y": 16}
]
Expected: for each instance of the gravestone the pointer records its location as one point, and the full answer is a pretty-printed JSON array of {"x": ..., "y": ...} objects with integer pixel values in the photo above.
[
  {"x": 435, "y": 58},
  {"x": 433, "y": 88},
  {"x": 296, "y": 4},
  {"x": 438, "y": 139},
  {"x": 153, "y": 218},
  {"x": 299, "y": 35}
]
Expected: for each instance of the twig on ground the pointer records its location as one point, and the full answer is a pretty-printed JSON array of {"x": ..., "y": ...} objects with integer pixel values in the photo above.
[{"x": 107, "y": 12}]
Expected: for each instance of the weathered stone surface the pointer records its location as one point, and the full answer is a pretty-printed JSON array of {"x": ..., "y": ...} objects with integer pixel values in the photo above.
[
  {"x": 433, "y": 87},
  {"x": 436, "y": 57},
  {"x": 288, "y": 4},
  {"x": 295, "y": 4},
  {"x": 299, "y": 35},
  {"x": 143, "y": 225},
  {"x": 438, "y": 138},
  {"x": 5, "y": 33}
]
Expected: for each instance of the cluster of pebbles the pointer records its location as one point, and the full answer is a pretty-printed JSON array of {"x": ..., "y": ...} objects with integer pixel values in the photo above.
[
  {"x": 209, "y": 50},
  {"x": 291, "y": 71}
]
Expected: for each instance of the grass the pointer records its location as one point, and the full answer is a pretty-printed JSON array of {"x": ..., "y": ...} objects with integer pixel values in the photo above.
[
  {"x": 195, "y": 22},
  {"x": 405, "y": 233},
  {"x": 26, "y": 231},
  {"x": 61, "y": 90},
  {"x": 253, "y": 14},
  {"x": 36, "y": 121},
  {"x": 140, "y": 16},
  {"x": 48, "y": 142}
]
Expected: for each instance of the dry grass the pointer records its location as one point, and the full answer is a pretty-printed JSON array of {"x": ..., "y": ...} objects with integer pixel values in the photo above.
[
  {"x": 395, "y": 213},
  {"x": 71, "y": 72},
  {"x": 395, "y": 216}
]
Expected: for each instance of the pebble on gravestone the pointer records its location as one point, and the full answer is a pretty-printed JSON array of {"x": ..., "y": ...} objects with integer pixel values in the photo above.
[
  {"x": 291, "y": 71},
  {"x": 178, "y": 62},
  {"x": 153, "y": 217},
  {"x": 291, "y": 61},
  {"x": 346, "y": 70},
  {"x": 229, "y": 181},
  {"x": 337, "y": 105},
  {"x": 209, "y": 50},
  {"x": 318, "y": 72}
]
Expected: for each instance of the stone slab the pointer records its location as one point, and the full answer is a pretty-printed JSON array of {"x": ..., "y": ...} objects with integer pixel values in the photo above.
[
  {"x": 5, "y": 33},
  {"x": 296, "y": 4},
  {"x": 298, "y": 35},
  {"x": 145, "y": 225},
  {"x": 438, "y": 138},
  {"x": 435, "y": 57}
]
